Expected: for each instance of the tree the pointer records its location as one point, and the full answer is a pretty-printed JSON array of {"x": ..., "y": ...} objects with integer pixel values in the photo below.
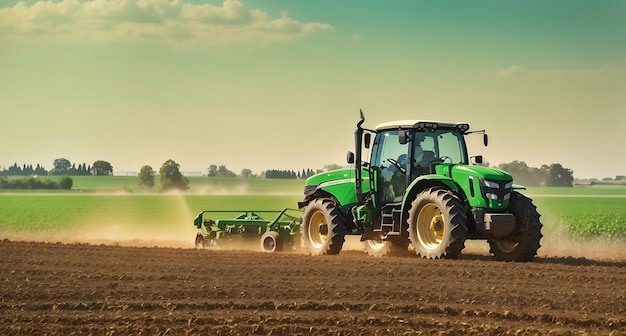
[
  {"x": 212, "y": 171},
  {"x": 523, "y": 174},
  {"x": 102, "y": 168},
  {"x": 61, "y": 166},
  {"x": 246, "y": 173},
  {"x": 222, "y": 171},
  {"x": 171, "y": 178},
  {"x": 146, "y": 176},
  {"x": 82, "y": 169},
  {"x": 15, "y": 170},
  {"x": 40, "y": 170},
  {"x": 558, "y": 176}
]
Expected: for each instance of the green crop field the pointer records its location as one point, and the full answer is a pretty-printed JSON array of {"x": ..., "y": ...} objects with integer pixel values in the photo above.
[
  {"x": 583, "y": 213},
  {"x": 83, "y": 217},
  {"x": 586, "y": 217},
  {"x": 115, "y": 208}
]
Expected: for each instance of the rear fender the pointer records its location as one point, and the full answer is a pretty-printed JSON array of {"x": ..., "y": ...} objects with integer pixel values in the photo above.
[
  {"x": 340, "y": 184},
  {"x": 420, "y": 184}
]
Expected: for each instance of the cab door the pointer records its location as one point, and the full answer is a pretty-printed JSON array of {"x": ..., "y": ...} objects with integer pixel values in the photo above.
[{"x": 389, "y": 166}]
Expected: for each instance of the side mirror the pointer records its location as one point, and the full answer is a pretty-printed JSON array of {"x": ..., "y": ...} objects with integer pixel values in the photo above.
[
  {"x": 367, "y": 138},
  {"x": 485, "y": 139},
  {"x": 350, "y": 158},
  {"x": 403, "y": 137},
  {"x": 478, "y": 159}
]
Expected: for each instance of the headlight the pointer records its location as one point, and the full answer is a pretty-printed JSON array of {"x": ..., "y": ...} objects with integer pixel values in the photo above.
[
  {"x": 490, "y": 184},
  {"x": 492, "y": 196},
  {"x": 462, "y": 127},
  {"x": 495, "y": 190}
]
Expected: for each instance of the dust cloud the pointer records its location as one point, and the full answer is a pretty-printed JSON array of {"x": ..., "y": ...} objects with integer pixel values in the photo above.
[
  {"x": 556, "y": 242},
  {"x": 241, "y": 189},
  {"x": 178, "y": 235},
  {"x": 182, "y": 235},
  {"x": 559, "y": 243}
]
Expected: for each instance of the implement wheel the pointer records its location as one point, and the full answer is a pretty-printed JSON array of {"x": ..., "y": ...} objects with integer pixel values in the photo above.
[
  {"x": 437, "y": 224},
  {"x": 271, "y": 241},
  {"x": 200, "y": 241},
  {"x": 322, "y": 230},
  {"x": 522, "y": 246}
]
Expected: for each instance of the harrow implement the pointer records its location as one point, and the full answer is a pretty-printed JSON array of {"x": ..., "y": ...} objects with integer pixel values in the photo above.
[{"x": 274, "y": 235}]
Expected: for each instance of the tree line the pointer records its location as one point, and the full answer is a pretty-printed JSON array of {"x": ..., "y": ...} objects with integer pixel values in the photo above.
[
  {"x": 222, "y": 171},
  {"x": 61, "y": 166},
  {"x": 64, "y": 167},
  {"x": 289, "y": 174},
  {"x": 171, "y": 177}
]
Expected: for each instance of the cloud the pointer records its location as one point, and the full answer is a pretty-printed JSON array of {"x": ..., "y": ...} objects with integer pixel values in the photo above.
[
  {"x": 510, "y": 71},
  {"x": 356, "y": 37},
  {"x": 606, "y": 70},
  {"x": 173, "y": 22}
]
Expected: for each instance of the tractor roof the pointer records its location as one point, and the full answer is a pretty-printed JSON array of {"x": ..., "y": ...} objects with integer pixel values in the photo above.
[{"x": 421, "y": 125}]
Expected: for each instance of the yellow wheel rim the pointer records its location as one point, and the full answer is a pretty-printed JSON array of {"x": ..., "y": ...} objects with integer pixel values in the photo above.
[
  {"x": 318, "y": 229},
  {"x": 375, "y": 244},
  {"x": 430, "y": 226},
  {"x": 507, "y": 246}
]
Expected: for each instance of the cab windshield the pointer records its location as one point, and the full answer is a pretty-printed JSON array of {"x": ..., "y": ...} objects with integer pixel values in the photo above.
[
  {"x": 397, "y": 164},
  {"x": 441, "y": 145},
  {"x": 444, "y": 145}
]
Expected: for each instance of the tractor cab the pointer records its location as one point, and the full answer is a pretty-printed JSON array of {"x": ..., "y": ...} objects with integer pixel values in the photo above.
[{"x": 406, "y": 150}]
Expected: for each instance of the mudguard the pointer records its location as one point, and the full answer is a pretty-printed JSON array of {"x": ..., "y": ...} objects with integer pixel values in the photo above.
[{"x": 421, "y": 183}]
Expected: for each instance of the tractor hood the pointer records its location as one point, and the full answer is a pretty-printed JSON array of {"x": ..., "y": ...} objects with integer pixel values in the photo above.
[
  {"x": 484, "y": 187},
  {"x": 481, "y": 172}
]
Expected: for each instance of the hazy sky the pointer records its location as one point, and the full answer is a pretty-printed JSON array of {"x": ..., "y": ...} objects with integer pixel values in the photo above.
[{"x": 278, "y": 84}]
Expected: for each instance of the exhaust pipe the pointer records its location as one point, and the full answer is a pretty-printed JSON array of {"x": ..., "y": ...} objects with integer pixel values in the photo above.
[{"x": 358, "y": 142}]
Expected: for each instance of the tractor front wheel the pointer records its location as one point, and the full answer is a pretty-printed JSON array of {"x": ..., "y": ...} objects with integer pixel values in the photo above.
[
  {"x": 271, "y": 241},
  {"x": 380, "y": 248},
  {"x": 437, "y": 224},
  {"x": 522, "y": 246},
  {"x": 323, "y": 232}
]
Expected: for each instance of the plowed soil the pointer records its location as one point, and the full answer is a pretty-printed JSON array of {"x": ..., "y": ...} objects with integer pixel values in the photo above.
[{"x": 82, "y": 289}]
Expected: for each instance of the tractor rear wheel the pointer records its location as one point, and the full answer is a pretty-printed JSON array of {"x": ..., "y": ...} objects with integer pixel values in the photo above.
[
  {"x": 437, "y": 224},
  {"x": 323, "y": 232},
  {"x": 524, "y": 245},
  {"x": 380, "y": 248},
  {"x": 271, "y": 241}
]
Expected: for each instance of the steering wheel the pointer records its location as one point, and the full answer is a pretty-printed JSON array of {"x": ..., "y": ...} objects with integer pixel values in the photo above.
[
  {"x": 445, "y": 158},
  {"x": 438, "y": 160},
  {"x": 397, "y": 165}
]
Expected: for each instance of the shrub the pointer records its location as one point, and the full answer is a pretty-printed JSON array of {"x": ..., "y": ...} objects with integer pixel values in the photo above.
[{"x": 66, "y": 183}]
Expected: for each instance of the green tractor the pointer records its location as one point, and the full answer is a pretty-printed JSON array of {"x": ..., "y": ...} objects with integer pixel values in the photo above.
[{"x": 418, "y": 188}]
